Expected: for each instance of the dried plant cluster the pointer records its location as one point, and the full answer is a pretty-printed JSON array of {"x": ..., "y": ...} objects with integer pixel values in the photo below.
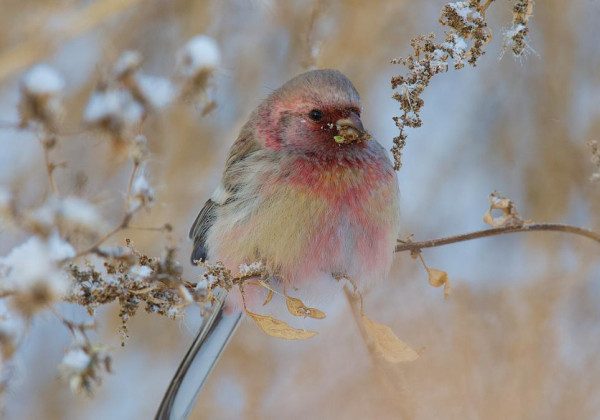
[
  {"x": 133, "y": 279},
  {"x": 466, "y": 36},
  {"x": 83, "y": 362},
  {"x": 515, "y": 38},
  {"x": 64, "y": 255}
]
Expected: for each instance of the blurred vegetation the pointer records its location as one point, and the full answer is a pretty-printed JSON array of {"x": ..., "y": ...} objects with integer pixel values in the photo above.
[{"x": 518, "y": 336}]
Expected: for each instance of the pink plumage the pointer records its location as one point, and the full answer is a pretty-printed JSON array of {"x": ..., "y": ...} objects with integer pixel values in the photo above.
[{"x": 300, "y": 194}]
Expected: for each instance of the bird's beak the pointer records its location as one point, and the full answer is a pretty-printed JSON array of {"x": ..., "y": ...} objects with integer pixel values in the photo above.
[{"x": 350, "y": 130}]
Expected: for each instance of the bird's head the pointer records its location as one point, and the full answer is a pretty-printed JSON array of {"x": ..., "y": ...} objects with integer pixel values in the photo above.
[{"x": 316, "y": 111}]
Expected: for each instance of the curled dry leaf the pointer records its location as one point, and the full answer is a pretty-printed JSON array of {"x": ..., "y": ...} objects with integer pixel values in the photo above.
[
  {"x": 438, "y": 278},
  {"x": 509, "y": 215},
  {"x": 297, "y": 308},
  {"x": 279, "y": 329},
  {"x": 386, "y": 343}
]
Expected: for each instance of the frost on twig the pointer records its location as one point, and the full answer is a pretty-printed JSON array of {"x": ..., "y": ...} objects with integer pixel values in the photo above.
[
  {"x": 83, "y": 361},
  {"x": 466, "y": 36},
  {"x": 134, "y": 280}
]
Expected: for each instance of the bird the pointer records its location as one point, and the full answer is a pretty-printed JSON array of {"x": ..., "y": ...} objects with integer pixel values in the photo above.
[{"x": 307, "y": 191}]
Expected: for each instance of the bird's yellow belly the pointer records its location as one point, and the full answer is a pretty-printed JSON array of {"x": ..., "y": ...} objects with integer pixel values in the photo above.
[{"x": 300, "y": 233}]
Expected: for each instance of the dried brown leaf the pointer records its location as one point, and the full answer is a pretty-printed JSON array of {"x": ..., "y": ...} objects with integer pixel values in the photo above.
[
  {"x": 279, "y": 329},
  {"x": 438, "y": 278},
  {"x": 509, "y": 215},
  {"x": 269, "y": 297},
  {"x": 297, "y": 308},
  {"x": 386, "y": 343}
]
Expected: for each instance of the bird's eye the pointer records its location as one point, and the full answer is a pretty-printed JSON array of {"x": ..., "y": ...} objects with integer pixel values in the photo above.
[{"x": 316, "y": 115}]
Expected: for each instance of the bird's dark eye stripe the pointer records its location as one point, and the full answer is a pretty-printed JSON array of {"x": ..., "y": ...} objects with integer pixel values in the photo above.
[{"x": 315, "y": 115}]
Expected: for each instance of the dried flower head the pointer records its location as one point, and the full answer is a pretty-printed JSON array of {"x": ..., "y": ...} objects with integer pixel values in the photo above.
[
  {"x": 142, "y": 193},
  {"x": 515, "y": 38},
  {"x": 197, "y": 61},
  {"x": 115, "y": 111},
  {"x": 199, "y": 54},
  {"x": 41, "y": 96},
  {"x": 508, "y": 212},
  {"x": 68, "y": 215},
  {"x": 32, "y": 272},
  {"x": 82, "y": 364},
  {"x": 127, "y": 65},
  {"x": 120, "y": 104}
]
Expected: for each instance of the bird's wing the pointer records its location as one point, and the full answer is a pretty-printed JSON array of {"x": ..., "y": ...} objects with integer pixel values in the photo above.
[
  {"x": 199, "y": 229},
  {"x": 242, "y": 148}
]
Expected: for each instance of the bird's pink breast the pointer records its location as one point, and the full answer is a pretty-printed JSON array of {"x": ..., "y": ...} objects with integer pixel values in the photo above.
[
  {"x": 357, "y": 227},
  {"x": 319, "y": 217}
]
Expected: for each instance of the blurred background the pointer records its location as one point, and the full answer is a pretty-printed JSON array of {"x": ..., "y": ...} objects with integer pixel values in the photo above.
[{"x": 520, "y": 333}]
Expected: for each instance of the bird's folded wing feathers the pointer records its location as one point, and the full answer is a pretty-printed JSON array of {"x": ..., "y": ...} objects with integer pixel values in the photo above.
[
  {"x": 199, "y": 230},
  {"x": 243, "y": 147}
]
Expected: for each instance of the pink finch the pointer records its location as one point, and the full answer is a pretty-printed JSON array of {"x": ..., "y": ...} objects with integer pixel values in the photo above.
[{"x": 307, "y": 192}]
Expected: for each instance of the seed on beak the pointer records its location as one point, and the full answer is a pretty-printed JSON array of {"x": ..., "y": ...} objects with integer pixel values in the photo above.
[{"x": 350, "y": 130}]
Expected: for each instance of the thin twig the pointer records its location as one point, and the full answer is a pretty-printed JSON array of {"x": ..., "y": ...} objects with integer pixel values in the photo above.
[
  {"x": 355, "y": 302},
  {"x": 532, "y": 227},
  {"x": 121, "y": 226},
  {"x": 95, "y": 247},
  {"x": 136, "y": 166},
  {"x": 7, "y": 125},
  {"x": 50, "y": 166},
  {"x": 149, "y": 229},
  {"x": 71, "y": 325}
]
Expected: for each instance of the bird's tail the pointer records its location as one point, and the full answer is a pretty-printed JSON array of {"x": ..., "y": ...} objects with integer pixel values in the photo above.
[{"x": 198, "y": 362}]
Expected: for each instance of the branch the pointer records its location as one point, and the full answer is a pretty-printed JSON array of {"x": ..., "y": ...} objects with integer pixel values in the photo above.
[
  {"x": 532, "y": 227},
  {"x": 47, "y": 144},
  {"x": 95, "y": 248}
]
